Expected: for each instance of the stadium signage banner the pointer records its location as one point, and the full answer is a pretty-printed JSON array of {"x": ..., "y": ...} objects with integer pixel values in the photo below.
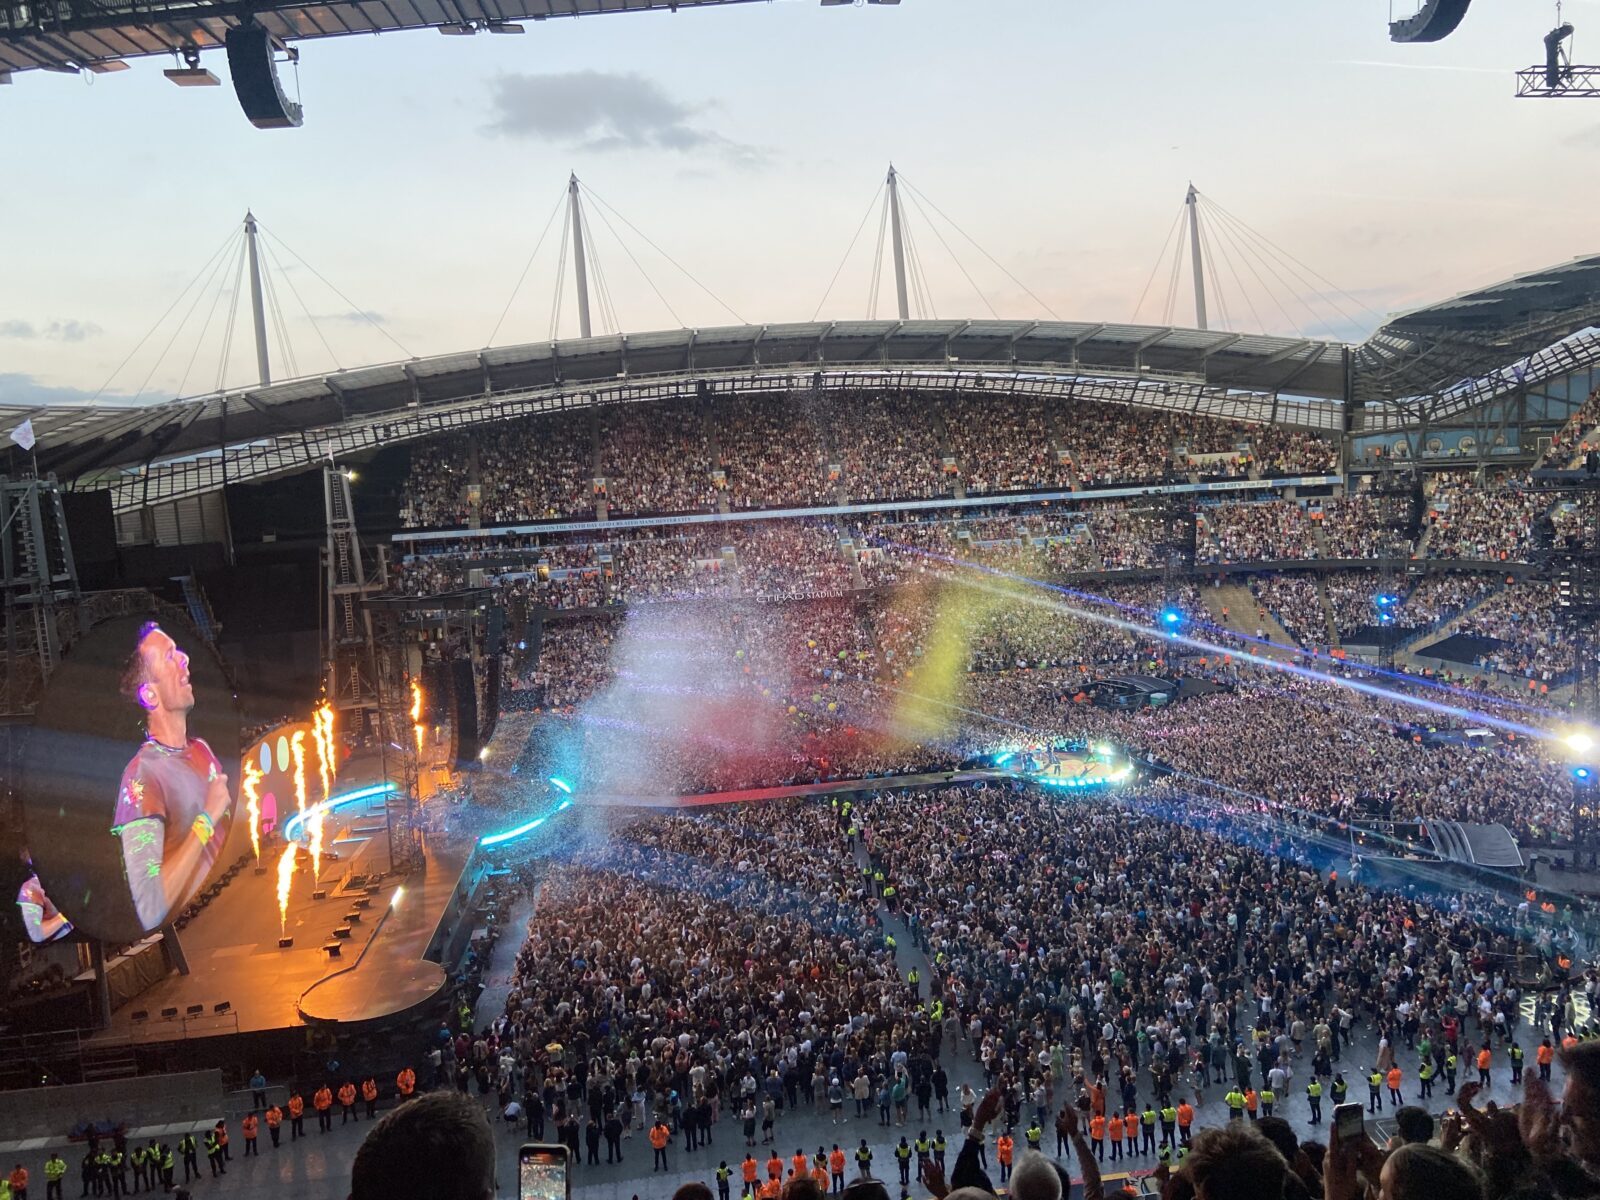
[{"x": 774, "y": 514}]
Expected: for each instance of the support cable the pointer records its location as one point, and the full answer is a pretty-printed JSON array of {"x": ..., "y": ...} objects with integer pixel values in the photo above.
[
  {"x": 316, "y": 326},
  {"x": 1226, "y": 235},
  {"x": 1275, "y": 269},
  {"x": 1210, "y": 261},
  {"x": 591, "y": 247},
  {"x": 1160, "y": 258},
  {"x": 199, "y": 295},
  {"x": 233, "y": 317},
  {"x": 280, "y": 328},
  {"x": 236, "y": 232},
  {"x": 954, "y": 259},
  {"x": 864, "y": 218},
  {"x": 876, "y": 286},
  {"x": 1292, "y": 260},
  {"x": 354, "y": 307},
  {"x": 640, "y": 268},
  {"x": 1177, "y": 273},
  {"x": 1227, "y": 261},
  {"x": 666, "y": 256},
  {"x": 919, "y": 278},
  {"x": 511, "y": 299},
  {"x": 222, "y": 290},
  {"x": 561, "y": 275},
  {"x": 980, "y": 249},
  {"x": 605, "y": 283}
]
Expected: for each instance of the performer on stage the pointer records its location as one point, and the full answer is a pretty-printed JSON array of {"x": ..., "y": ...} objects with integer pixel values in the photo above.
[{"x": 173, "y": 807}]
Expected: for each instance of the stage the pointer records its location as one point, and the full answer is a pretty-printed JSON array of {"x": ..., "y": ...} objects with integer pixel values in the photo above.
[{"x": 233, "y": 955}]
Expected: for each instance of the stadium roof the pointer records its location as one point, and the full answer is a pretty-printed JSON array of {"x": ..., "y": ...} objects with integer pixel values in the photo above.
[
  {"x": 1435, "y": 348},
  {"x": 290, "y": 426},
  {"x": 71, "y": 35}
]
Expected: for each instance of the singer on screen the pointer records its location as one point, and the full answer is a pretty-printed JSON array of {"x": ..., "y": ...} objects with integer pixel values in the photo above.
[{"x": 173, "y": 806}]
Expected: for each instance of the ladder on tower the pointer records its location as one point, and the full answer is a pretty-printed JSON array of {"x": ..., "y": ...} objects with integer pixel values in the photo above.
[{"x": 350, "y": 686}]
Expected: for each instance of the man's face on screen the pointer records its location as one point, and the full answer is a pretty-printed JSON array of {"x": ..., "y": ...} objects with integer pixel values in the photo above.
[{"x": 166, "y": 669}]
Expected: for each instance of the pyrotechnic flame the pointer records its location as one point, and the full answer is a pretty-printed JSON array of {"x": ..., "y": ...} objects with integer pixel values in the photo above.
[
  {"x": 285, "y": 876},
  {"x": 416, "y": 713},
  {"x": 252, "y": 804},
  {"x": 297, "y": 747},
  {"x": 322, "y": 730},
  {"x": 315, "y": 844}
]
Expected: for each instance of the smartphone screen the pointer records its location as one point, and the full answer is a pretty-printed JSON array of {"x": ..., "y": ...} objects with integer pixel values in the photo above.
[
  {"x": 542, "y": 1173},
  {"x": 1349, "y": 1120}
]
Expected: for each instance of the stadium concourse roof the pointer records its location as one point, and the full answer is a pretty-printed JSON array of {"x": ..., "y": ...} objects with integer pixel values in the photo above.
[
  {"x": 73, "y": 35},
  {"x": 185, "y": 447},
  {"x": 1432, "y": 350}
]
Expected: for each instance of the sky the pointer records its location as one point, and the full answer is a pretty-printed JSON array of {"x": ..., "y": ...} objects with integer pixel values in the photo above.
[{"x": 749, "y": 144}]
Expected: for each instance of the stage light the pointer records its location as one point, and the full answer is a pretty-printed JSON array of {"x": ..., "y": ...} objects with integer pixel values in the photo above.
[
  {"x": 1171, "y": 616},
  {"x": 1581, "y": 773},
  {"x": 1003, "y": 759},
  {"x": 494, "y": 839},
  {"x": 1385, "y": 601},
  {"x": 1579, "y": 741},
  {"x": 560, "y": 784},
  {"x": 394, "y": 901},
  {"x": 291, "y": 827},
  {"x": 192, "y": 77},
  {"x": 483, "y": 755}
]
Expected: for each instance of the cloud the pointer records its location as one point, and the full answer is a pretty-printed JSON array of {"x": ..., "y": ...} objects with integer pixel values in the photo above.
[
  {"x": 1415, "y": 66},
  {"x": 55, "y": 331},
  {"x": 72, "y": 331},
  {"x": 17, "y": 388},
  {"x": 600, "y": 110},
  {"x": 353, "y": 316}
]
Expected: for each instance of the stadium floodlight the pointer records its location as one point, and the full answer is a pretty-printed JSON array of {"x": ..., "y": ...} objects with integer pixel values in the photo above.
[
  {"x": 506, "y": 27},
  {"x": 457, "y": 29},
  {"x": 106, "y": 67}
]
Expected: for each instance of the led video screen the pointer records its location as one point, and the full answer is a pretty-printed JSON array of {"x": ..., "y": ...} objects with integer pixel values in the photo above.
[{"x": 130, "y": 781}]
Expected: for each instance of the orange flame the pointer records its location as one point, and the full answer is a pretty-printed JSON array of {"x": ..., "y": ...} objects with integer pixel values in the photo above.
[
  {"x": 285, "y": 876},
  {"x": 315, "y": 838},
  {"x": 322, "y": 730},
  {"x": 297, "y": 747},
  {"x": 416, "y": 713},
  {"x": 252, "y": 796}
]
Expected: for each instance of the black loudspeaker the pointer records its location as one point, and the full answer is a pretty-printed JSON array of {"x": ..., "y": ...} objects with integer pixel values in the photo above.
[
  {"x": 464, "y": 711},
  {"x": 1436, "y": 21},
  {"x": 255, "y": 79},
  {"x": 494, "y": 642}
]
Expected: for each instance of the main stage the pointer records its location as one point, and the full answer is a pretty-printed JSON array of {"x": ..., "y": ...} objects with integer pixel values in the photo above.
[{"x": 384, "y": 930}]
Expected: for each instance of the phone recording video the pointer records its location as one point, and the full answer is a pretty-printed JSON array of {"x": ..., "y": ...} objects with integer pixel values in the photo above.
[
  {"x": 542, "y": 1173},
  {"x": 1350, "y": 1121}
]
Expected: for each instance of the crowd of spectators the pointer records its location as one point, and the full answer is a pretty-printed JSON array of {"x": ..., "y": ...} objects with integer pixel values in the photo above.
[
  {"x": 797, "y": 449},
  {"x": 722, "y": 974},
  {"x": 1294, "y": 600},
  {"x": 1488, "y": 520},
  {"x": 1526, "y": 619}
]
